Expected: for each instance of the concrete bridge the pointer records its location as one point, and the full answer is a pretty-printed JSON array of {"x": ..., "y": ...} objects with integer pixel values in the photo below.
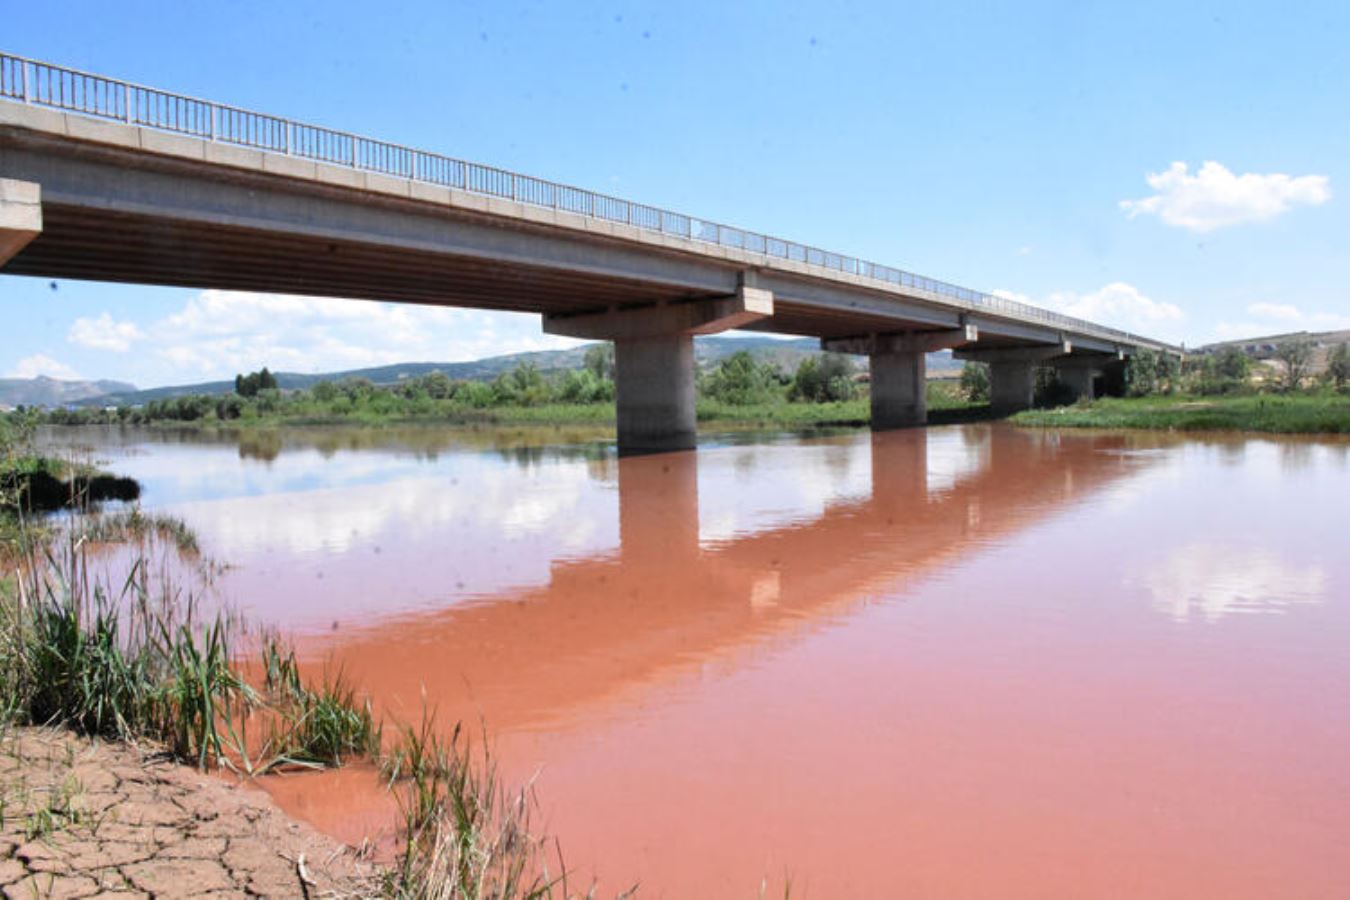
[{"x": 105, "y": 180}]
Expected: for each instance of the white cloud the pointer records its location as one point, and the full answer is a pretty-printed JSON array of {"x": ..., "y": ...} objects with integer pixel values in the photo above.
[
  {"x": 104, "y": 333},
  {"x": 1117, "y": 304},
  {"x": 1215, "y": 197},
  {"x": 40, "y": 364},
  {"x": 1207, "y": 582},
  {"x": 219, "y": 333}
]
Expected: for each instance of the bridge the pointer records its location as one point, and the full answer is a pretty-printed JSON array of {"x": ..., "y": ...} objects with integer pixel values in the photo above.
[{"x": 107, "y": 180}]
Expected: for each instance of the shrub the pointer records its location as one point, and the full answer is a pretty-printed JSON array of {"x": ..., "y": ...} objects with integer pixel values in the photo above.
[
  {"x": 975, "y": 382},
  {"x": 827, "y": 378},
  {"x": 1297, "y": 357},
  {"x": 741, "y": 381},
  {"x": 1338, "y": 366}
]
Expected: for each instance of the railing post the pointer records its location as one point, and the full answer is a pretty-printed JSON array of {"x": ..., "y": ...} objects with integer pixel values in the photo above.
[
  {"x": 212, "y": 109},
  {"x": 286, "y": 138},
  {"x": 126, "y": 102},
  {"x": 23, "y": 77}
]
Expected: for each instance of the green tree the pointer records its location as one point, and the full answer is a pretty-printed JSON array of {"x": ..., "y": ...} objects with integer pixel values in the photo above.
[
  {"x": 975, "y": 381},
  {"x": 584, "y": 386},
  {"x": 229, "y": 407},
  {"x": 741, "y": 381},
  {"x": 1338, "y": 366},
  {"x": 599, "y": 361},
  {"x": 1141, "y": 373},
  {"x": 249, "y": 385},
  {"x": 825, "y": 378},
  {"x": 522, "y": 386},
  {"x": 1222, "y": 372},
  {"x": 437, "y": 385},
  {"x": 1232, "y": 364},
  {"x": 1297, "y": 357},
  {"x": 477, "y": 394}
]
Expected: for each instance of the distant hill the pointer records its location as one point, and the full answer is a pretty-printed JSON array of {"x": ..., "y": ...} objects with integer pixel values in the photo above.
[
  {"x": 1263, "y": 349},
  {"x": 44, "y": 391},
  {"x": 708, "y": 351}
]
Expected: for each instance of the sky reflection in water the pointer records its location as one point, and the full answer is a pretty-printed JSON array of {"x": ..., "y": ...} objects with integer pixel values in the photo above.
[{"x": 962, "y": 662}]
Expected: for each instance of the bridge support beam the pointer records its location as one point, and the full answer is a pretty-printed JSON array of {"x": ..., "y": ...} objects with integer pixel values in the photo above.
[
  {"x": 654, "y": 360},
  {"x": 20, "y": 216},
  {"x": 1012, "y": 372},
  {"x": 899, "y": 370}
]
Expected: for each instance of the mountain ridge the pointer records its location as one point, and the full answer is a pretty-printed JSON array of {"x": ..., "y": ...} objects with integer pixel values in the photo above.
[{"x": 787, "y": 354}]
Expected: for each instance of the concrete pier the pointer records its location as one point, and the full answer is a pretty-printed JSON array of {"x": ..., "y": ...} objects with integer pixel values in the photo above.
[
  {"x": 1012, "y": 372},
  {"x": 899, "y": 376},
  {"x": 20, "y": 216},
  {"x": 1082, "y": 370},
  {"x": 654, "y": 393},
  {"x": 899, "y": 390},
  {"x": 1012, "y": 386},
  {"x": 654, "y": 360},
  {"x": 1081, "y": 379}
]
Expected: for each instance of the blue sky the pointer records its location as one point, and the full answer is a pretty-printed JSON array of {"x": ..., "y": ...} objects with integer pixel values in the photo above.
[{"x": 1177, "y": 169}]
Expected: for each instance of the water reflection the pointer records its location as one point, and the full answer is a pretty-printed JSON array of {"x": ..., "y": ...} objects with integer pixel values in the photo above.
[
  {"x": 683, "y": 587},
  {"x": 1207, "y": 581},
  {"x": 926, "y": 663}
]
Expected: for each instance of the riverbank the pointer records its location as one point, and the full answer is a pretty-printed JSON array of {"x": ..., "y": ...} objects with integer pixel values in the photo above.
[
  {"x": 1321, "y": 413},
  {"x": 145, "y": 671},
  {"x": 386, "y": 407},
  {"x": 80, "y": 817}
]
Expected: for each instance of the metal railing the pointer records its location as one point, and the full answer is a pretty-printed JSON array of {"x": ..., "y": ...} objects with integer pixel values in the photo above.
[{"x": 71, "y": 90}]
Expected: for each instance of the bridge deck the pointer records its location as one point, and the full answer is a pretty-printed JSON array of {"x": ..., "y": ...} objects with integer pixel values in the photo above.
[{"x": 146, "y": 186}]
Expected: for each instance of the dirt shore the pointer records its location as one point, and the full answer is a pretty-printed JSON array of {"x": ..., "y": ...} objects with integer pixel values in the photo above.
[{"x": 80, "y": 818}]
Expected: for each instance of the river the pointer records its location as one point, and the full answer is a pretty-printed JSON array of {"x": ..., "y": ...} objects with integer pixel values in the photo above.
[{"x": 965, "y": 661}]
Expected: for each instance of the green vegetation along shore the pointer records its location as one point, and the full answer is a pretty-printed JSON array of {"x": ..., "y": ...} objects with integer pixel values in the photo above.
[
  {"x": 129, "y": 658},
  {"x": 1224, "y": 389},
  {"x": 1316, "y": 413},
  {"x": 740, "y": 391}
]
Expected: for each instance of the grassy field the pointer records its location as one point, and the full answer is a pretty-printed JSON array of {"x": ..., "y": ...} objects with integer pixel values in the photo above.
[{"x": 1317, "y": 413}]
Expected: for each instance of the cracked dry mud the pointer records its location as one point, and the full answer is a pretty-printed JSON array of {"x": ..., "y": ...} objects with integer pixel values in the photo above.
[{"x": 87, "y": 819}]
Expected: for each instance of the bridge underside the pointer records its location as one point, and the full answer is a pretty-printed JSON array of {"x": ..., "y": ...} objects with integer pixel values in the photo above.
[{"x": 110, "y": 212}]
